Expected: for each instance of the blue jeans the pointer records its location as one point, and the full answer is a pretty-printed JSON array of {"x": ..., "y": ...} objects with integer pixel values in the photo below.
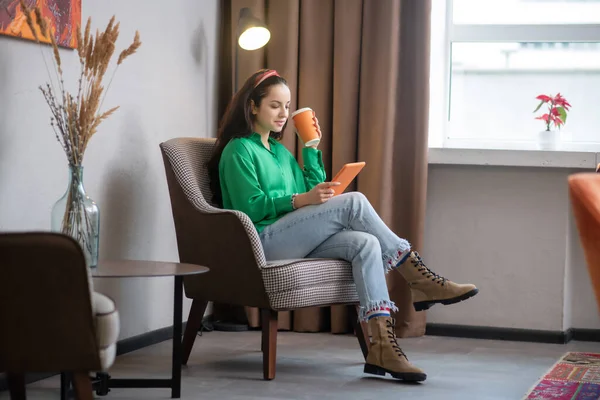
[{"x": 345, "y": 227}]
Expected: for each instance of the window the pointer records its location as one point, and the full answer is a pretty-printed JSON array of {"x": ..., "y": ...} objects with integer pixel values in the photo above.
[{"x": 491, "y": 58}]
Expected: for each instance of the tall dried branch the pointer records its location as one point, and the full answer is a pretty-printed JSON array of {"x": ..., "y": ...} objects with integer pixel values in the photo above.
[
  {"x": 41, "y": 22},
  {"x": 131, "y": 49},
  {"x": 75, "y": 119},
  {"x": 27, "y": 12}
]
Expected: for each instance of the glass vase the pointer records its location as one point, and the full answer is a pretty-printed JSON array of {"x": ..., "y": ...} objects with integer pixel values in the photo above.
[{"x": 78, "y": 216}]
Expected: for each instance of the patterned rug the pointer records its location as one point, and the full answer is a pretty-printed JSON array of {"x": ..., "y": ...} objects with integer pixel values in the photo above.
[{"x": 576, "y": 376}]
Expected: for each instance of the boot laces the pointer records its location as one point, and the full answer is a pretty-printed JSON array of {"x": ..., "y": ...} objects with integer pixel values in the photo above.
[
  {"x": 393, "y": 340},
  {"x": 417, "y": 261}
]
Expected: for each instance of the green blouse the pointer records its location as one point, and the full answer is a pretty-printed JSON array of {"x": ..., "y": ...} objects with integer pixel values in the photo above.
[{"x": 260, "y": 182}]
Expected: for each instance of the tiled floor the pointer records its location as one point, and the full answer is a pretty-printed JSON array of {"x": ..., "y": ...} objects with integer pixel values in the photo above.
[{"x": 325, "y": 366}]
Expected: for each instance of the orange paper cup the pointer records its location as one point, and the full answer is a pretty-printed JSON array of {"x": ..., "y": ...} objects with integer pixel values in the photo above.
[{"x": 305, "y": 126}]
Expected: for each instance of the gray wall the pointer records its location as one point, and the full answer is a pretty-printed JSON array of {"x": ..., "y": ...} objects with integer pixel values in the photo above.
[
  {"x": 510, "y": 231},
  {"x": 165, "y": 90}
]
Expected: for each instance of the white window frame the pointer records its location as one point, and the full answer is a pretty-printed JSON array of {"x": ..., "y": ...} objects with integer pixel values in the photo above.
[{"x": 500, "y": 33}]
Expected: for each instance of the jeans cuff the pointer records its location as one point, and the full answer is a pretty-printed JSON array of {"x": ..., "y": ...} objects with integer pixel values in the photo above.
[
  {"x": 396, "y": 259},
  {"x": 374, "y": 305}
]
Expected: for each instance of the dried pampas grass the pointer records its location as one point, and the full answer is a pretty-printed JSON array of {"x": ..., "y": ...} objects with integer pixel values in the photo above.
[{"x": 75, "y": 118}]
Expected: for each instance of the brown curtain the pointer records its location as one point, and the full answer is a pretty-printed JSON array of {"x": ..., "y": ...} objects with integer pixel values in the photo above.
[{"x": 363, "y": 66}]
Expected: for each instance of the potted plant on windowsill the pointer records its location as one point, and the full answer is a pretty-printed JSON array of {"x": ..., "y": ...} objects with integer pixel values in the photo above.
[{"x": 558, "y": 107}]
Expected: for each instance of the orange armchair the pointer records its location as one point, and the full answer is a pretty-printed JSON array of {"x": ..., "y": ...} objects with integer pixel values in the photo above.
[{"x": 584, "y": 190}]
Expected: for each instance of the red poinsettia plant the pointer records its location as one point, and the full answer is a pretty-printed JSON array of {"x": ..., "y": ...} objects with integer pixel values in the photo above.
[{"x": 557, "y": 110}]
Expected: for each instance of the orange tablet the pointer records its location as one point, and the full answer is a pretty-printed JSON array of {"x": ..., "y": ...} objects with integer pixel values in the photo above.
[{"x": 346, "y": 176}]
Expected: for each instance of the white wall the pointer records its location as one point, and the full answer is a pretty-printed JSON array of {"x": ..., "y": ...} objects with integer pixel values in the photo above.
[
  {"x": 509, "y": 230},
  {"x": 165, "y": 90}
]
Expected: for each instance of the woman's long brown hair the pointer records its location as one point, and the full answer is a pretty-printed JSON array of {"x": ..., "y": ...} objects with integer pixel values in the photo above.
[{"x": 237, "y": 122}]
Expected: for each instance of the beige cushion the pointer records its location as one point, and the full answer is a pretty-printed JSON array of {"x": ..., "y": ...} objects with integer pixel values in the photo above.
[{"x": 106, "y": 318}]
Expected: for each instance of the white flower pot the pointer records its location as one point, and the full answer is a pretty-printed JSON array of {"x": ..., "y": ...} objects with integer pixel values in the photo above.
[{"x": 548, "y": 140}]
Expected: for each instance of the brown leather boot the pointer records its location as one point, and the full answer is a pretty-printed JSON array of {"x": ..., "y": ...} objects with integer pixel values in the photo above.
[
  {"x": 429, "y": 288},
  {"x": 385, "y": 356}
]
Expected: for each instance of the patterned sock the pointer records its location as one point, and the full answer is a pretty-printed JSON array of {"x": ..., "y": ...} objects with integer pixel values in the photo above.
[
  {"x": 378, "y": 312},
  {"x": 402, "y": 256}
]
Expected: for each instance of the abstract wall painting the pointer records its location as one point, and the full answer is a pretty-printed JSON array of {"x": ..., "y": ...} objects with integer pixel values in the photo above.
[{"x": 62, "y": 16}]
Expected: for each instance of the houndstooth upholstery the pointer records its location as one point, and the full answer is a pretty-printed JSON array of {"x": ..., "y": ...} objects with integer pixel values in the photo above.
[
  {"x": 309, "y": 282},
  {"x": 289, "y": 284},
  {"x": 285, "y": 275},
  {"x": 332, "y": 293}
]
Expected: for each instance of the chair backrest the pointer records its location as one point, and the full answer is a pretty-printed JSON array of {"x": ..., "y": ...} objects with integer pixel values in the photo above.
[
  {"x": 584, "y": 190},
  {"x": 188, "y": 158},
  {"x": 46, "y": 322},
  {"x": 223, "y": 240}
]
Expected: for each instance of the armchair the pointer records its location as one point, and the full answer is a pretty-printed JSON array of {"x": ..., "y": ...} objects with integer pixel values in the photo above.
[
  {"x": 51, "y": 320},
  {"x": 584, "y": 190},
  {"x": 227, "y": 242}
]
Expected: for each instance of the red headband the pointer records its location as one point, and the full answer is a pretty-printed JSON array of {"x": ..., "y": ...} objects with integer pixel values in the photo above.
[{"x": 265, "y": 75}]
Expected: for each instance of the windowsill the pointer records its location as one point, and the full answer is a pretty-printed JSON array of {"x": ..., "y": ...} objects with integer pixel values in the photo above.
[{"x": 516, "y": 154}]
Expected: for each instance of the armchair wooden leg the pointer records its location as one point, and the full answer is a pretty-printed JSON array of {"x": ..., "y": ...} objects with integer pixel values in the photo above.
[
  {"x": 194, "y": 323},
  {"x": 82, "y": 386},
  {"x": 16, "y": 386},
  {"x": 269, "y": 342},
  {"x": 362, "y": 331}
]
